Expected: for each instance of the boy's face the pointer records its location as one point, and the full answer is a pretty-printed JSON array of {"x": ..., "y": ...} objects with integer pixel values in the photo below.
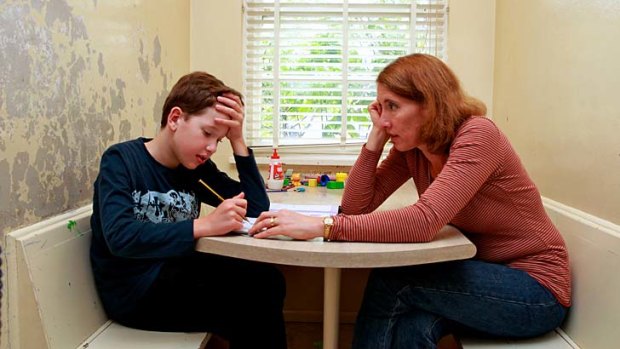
[{"x": 196, "y": 137}]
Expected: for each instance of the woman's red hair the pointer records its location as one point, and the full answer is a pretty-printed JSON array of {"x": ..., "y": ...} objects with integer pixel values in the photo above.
[{"x": 427, "y": 80}]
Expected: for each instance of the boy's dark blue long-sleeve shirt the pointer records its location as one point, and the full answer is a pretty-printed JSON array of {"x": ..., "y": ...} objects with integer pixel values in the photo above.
[{"x": 143, "y": 214}]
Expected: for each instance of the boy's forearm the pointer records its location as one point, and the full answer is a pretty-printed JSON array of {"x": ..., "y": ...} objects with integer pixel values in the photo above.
[
  {"x": 239, "y": 147},
  {"x": 252, "y": 184}
]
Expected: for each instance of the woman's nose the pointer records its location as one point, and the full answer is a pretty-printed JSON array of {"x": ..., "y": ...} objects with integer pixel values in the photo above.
[
  {"x": 385, "y": 115},
  {"x": 384, "y": 121}
]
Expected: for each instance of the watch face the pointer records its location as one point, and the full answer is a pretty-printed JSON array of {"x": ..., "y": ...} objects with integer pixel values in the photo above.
[{"x": 328, "y": 221}]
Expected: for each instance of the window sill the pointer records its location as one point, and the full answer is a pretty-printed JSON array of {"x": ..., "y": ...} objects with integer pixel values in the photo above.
[
  {"x": 292, "y": 159},
  {"x": 312, "y": 155}
]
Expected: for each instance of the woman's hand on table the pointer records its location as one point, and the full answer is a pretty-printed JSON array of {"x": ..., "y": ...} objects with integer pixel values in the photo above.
[{"x": 287, "y": 223}]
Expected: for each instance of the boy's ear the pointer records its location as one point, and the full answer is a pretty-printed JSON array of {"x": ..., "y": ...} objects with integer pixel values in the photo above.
[{"x": 173, "y": 117}]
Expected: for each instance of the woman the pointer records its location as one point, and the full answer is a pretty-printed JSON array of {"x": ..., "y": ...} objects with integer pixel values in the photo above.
[{"x": 467, "y": 175}]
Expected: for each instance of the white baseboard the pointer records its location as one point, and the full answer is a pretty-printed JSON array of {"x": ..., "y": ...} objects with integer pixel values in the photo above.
[
  {"x": 566, "y": 338},
  {"x": 47, "y": 268},
  {"x": 580, "y": 217},
  {"x": 594, "y": 252}
]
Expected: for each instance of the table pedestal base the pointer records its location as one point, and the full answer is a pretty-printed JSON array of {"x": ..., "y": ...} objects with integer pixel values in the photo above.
[{"x": 331, "y": 306}]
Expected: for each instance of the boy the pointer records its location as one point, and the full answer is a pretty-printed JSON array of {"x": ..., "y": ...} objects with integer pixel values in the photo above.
[{"x": 146, "y": 219}]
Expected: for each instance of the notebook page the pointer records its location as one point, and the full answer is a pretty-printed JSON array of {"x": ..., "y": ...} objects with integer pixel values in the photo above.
[{"x": 310, "y": 210}]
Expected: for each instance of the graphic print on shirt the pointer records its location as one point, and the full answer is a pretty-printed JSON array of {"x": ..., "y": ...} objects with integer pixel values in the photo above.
[{"x": 169, "y": 207}]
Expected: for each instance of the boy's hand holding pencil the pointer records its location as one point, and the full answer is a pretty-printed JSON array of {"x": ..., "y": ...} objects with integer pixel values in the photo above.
[
  {"x": 226, "y": 217},
  {"x": 219, "y": 196}
]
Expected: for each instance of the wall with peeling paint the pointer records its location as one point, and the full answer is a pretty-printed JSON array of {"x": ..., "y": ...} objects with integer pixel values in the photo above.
[{"x": 75, "y": 77}]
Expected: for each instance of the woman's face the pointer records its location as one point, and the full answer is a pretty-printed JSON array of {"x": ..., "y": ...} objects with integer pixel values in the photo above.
[{"x": 401, "y": 118}]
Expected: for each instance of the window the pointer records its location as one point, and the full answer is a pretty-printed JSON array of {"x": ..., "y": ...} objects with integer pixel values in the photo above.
[{"x": 310, "y": 68}]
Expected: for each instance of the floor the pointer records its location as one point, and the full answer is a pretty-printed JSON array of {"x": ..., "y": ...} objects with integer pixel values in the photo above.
[
  {"x": 307, "y": 335},
  {"x": 300, "y": 335}
]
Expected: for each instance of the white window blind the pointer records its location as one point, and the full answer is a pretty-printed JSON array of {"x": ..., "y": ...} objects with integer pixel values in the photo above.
[{"x": 310, "y": 68}]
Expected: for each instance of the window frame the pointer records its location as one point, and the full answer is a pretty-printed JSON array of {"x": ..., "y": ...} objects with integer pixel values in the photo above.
[{"x": 344, "y": 152}]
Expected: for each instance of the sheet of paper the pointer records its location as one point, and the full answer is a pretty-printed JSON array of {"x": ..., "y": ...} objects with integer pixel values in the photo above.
[
  {"x": 310, "y": 210},
  {"x": 247, "y": 225}
]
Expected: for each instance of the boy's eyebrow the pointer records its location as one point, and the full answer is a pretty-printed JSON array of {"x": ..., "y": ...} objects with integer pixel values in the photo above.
[
  {"x": 211, "y": 128},
  {"x": 210, "y": 125}
]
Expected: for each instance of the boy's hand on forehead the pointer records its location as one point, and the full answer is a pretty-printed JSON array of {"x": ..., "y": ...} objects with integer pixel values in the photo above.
[{"x": 230, "y": 104}]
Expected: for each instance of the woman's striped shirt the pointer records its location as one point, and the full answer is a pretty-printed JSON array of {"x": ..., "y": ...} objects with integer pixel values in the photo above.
[{"x": 483, "y": 189}]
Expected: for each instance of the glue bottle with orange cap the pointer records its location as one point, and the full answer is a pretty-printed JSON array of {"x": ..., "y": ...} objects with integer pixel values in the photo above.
[{"x": 276, "y": 174}]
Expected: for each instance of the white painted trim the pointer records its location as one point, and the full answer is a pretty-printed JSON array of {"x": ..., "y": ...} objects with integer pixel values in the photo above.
[
  {"x": 308, "y": 159},
  {"x": 566, "y": 338},
  {"x": 583, "y": 217},
  {"x": 95, "y": 334},
  {"x": 10, "y": 311},
  {"x": 51, "y": 222},
  {"x": 594, "y": 253},
  {"x": 26, "y": 323},
  {"x": 50, "y": 309}
]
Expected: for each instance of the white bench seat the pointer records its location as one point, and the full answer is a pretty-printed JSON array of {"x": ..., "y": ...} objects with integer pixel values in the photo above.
[
  {"x": 53, "y": 303},
  {"x": 552, "y": 340},
  {"x": 114, "y": 336}
]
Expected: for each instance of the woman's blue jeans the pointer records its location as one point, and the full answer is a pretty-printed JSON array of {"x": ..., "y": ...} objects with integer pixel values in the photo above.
[{"x": 413, "y": 307}]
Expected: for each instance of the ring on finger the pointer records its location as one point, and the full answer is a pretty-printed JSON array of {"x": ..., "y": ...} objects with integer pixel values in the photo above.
[{"x": 272, "y": 221}]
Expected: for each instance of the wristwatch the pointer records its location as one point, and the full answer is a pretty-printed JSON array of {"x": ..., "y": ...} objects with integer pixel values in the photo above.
[{"x": 328, "y": 223}]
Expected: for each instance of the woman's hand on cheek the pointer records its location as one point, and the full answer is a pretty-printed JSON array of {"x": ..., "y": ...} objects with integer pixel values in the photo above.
[
  {"x": 287, "y": 223},
  {"x": 378, "y": 136},
  {"x": 375, "y": 110}
]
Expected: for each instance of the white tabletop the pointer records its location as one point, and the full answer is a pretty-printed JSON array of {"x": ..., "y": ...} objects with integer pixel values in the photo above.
[{"x": 450, "y": 244}]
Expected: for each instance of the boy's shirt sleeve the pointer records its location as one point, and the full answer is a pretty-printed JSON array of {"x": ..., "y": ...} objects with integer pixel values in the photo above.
[
  {"x": 250, "y": 182},
  {"x": 125, "y": 235}
]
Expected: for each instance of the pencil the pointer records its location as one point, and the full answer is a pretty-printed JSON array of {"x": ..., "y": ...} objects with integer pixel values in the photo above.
[
  {"x": 216, "y": 194},
  {"x": 211, "y": 190}
]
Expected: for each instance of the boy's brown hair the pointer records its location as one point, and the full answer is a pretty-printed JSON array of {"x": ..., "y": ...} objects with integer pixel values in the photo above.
[{"x": 193, "y": 93}]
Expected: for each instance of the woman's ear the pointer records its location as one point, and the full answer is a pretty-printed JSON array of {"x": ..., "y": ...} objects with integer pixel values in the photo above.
[{"x": 173, "y": 118}]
